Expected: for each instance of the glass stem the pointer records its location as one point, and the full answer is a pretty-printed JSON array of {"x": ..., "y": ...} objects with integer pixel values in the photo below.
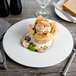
[{"x": 43, "y": 11}]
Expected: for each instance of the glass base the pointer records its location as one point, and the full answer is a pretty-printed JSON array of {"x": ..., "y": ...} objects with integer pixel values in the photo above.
[{"x": 43, "y": 13}]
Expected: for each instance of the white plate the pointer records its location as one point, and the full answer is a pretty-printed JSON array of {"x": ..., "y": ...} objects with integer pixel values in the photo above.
[
  {"x": 62, "y": 47},
  {"x": 60, "y": 14}
]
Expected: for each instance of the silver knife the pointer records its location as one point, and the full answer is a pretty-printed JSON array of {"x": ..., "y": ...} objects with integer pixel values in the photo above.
[
  {"x": 1, "y": 58},
  {"x": 64, "y": 72},
  {"x": 65, "y": 13}
]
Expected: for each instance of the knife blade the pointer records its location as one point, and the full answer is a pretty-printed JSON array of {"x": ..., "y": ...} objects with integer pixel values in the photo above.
[
  {"x": 3, "y": 65},
  {"x": 1, "y": 58},
  {"x": 65, "y": 13}
]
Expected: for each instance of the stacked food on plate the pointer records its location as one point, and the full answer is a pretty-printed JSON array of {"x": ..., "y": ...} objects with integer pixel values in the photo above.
[
  {"x": 70, "y": 6},
  {"x": 41, "y": 35}
]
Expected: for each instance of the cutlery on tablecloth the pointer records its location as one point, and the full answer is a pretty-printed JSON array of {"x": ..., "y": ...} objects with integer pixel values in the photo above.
[
  {"x": 65, "y": 13},
  {"x": 69, "y": 61},
  {"x": 1, "y": 58},
  {"x": 3, "y": 63},
  {"x": 4, "y": 25}
]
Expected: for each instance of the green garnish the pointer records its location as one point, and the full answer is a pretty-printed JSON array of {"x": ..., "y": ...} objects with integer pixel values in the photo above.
[
  {"x": 28, "y": 38},
  {"x": 46, "y": 47},
  {"x": 32, "y": 47}
]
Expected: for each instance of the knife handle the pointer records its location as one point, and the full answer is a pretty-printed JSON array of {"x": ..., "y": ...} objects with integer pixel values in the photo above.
[
  {"x": 3, "y": 67},
  {"x": 68, "y": 64}
]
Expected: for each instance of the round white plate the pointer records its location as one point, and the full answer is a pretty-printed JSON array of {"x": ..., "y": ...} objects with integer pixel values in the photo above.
[
  {"x": 62, "y": 47},
  {"x": 60, "y": 14}
]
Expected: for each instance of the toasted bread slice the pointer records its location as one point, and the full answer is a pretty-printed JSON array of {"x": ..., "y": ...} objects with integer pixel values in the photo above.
[{"x": 70, "y": 6}]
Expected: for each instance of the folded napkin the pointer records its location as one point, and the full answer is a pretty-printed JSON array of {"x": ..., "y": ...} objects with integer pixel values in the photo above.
[{"x": 4, "y": 25}]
